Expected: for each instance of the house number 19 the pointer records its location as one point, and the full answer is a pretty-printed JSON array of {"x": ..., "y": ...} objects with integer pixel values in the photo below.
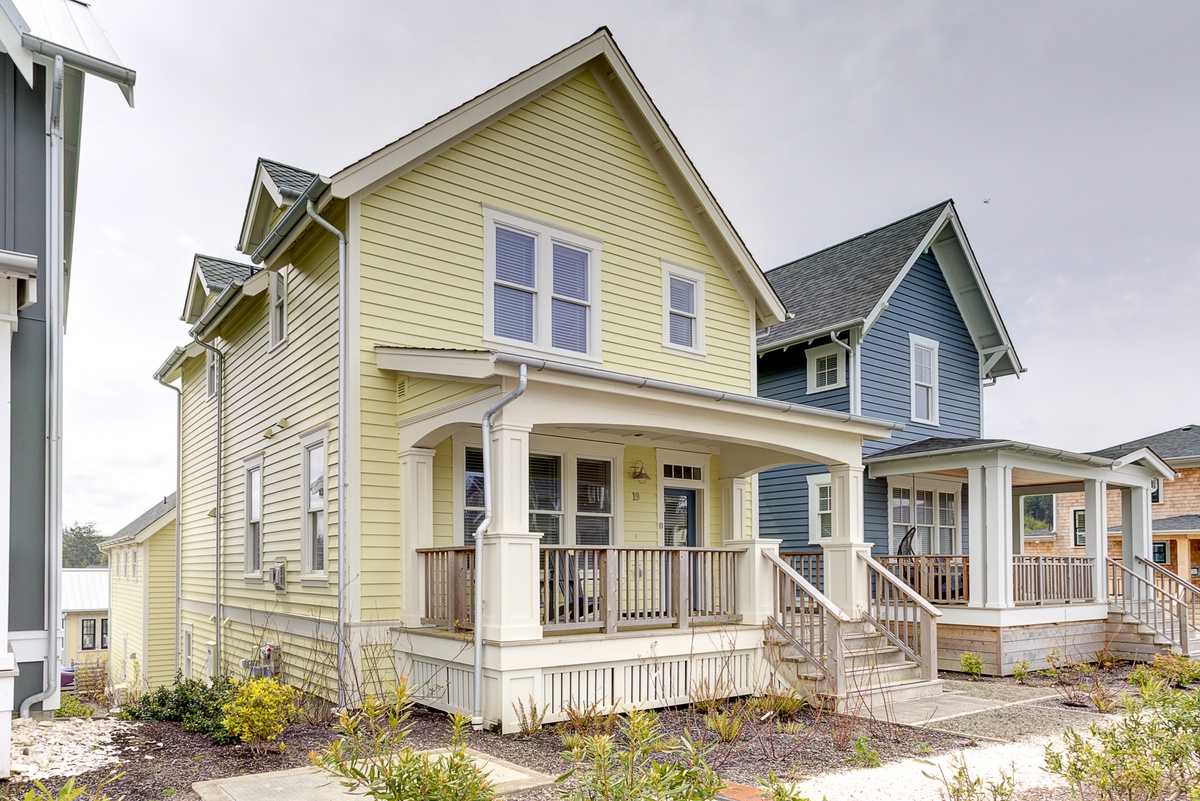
[{"x": 637, "y": 496}]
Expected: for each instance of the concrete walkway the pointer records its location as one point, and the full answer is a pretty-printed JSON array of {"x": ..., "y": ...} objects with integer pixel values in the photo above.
[
  {"x": 309, "y": 784},
  {"x": 958, "y": 698}
]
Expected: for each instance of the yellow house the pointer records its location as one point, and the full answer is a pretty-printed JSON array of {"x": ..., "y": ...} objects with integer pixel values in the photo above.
[
  {"x": 141, "y": 626},
  {"x": 85, "y": 613},
  {"x": 480, "y": 411}
]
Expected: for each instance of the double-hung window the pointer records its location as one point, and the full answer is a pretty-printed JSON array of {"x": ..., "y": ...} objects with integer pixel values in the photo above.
[
  {"x": 87, "y": 641},
  {"x": 1079, "y": 527},
  {"x": 543, "y": 286},
  {"x": 313, "y": 494},
  {"x": 923, "y": 356},
  {"x": 134, "y": 554},
  {"x": 820, "y": 508},
  {"x": 683, "y": 309},
  {"x": 254, "y": 515},
  {"x": 545, "y": 497},
  {"x": 278, "y": 324},
  {"x": 826, "y": 368},
  {"x": 930, "y": 511},
  {"x": 593, "y": 502},
  {"x": 211, "y": 378},
  {"x": 1156, "y": 490},
  {"x": 104, "y": 634}
]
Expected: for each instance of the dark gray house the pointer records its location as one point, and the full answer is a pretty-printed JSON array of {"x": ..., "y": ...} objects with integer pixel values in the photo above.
[{"x": 47, "y": 47}]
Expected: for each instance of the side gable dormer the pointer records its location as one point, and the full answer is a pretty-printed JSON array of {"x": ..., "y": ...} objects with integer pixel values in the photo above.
[
  {"x": 210, "y": 276},
  {"x": 276, "y": 187}
]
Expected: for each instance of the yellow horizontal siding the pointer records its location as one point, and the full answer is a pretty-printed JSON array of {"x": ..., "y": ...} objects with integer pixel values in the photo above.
[
  {"x": 160, "y": 572},
  {"x": 641, "y": 515}
]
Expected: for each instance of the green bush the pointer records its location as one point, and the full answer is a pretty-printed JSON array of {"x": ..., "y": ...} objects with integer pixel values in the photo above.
[
  {"x": 370, "y": 756},
  {"x": 71, "y": 707},
  {"x": 196, "y": 705},
  {"x": 260, "y": 712},
  {"x": 1153, "y": 752},
  {"x": 971, "y": 663}
]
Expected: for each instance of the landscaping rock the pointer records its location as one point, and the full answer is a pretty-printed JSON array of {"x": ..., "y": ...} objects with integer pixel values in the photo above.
[{"x": 63, "y": 746}]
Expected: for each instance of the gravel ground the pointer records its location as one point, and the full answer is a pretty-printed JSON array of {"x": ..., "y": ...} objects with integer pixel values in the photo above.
[
  {"x": 1021, "y": 721},
  {"x": 997, "y": 689}
]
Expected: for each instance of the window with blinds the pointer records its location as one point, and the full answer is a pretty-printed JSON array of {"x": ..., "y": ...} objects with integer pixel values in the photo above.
[
  {"x": 683, "y": 308},
  {"x": 924, "y": 372}
]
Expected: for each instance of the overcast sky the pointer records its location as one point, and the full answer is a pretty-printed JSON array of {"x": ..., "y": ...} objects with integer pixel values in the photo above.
[{"x": 811, "y": 123}]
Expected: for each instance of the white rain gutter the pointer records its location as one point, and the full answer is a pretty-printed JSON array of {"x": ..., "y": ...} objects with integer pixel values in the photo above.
[
  {"x": 523, "y": 381},
  {"x": 178, "y": 494},
  {"x": 123, "y": 77},
  {"x": 851, "y": 361},
  {"x": 343, "y": 433},
  {"x": 220, "y": 474},
  {"x": 55, "y": 315},
  {"x": 643, "y": 382}
]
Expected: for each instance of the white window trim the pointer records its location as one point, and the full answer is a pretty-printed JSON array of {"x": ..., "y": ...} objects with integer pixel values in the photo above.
[
  {"x": 702, "y": 487},
  {"x": 1166, "y": 551},
  {"x": 278, "y": 294},
  {"x": 914, "y": 483},
  {"x": 187, "y": 645},
  {"x": 815, "y": 482},
  {"x": 1053, "y": 517},
  {"x": 249, "y": 466},
  {"x": 1075, "y": 534},
  {"x": 696, "y": 278},
  {"x": 811, "y": 367},
  {"x": 570, "y": 450},
  {"x": 211, "y": 378},
  {"x": 1162, "y": 490},
  {"x": 134, "y": 553},
  {"x": 915, "y": 341},
  {"x": 307, "y": 574},
  {"x": 546, "y": 235}
]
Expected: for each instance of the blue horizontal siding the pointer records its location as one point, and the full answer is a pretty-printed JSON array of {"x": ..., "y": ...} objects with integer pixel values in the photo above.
[
  {"x": 783, "y": 375},
  {"x": 783, "y": 504}
]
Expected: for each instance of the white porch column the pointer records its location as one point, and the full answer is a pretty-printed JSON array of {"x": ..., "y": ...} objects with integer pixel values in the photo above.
[
  {"x": 734, "y": 498},
  {"x": 997, "y": 538},
  {"x": 977, "y": 498},
  {"x": 1138, "y": 534},
  {"x": 845, "y": 573},
  {"x": 416, "y": 529},
  {"x": 511, "y": 553},
  {"x": 1095, "y": 520},
  {"x": 755, "y": 591}
]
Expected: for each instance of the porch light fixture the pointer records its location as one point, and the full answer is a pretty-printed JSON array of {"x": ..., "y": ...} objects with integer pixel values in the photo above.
[{"x": 639, "y": 472}]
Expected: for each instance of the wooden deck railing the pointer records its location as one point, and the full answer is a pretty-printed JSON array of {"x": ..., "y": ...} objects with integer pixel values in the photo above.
[
  {"x": 904, "y": 617},
  {"x": 1173, "y": 584},
  {"x": 1150, "y": 604},
  {"x": 810, "y": 622},
  {"x": 1052, "y": 579},
  {"x": 809, "y": 564},
  {"x": 449, "y": 587},
  {"x": 939, "y": 579}
]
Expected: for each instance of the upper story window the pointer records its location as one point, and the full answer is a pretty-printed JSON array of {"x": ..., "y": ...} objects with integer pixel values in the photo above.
[
  {"x": 278, "y": 324},
  {"x": 683, "y": 309},
  {"x": 1157, "y": 490},
  {"x": 134, "y": 554},
  {"x": 1037, "y": 515},
  {"x": 313, "y": 493},
  {"x": 254, "y": 503},
  {"x": 826, "y": 368},
  {"x": 542, "y": 285},
  {"x": 923, "y": 358},
  {"x": 210, "y": 374}
]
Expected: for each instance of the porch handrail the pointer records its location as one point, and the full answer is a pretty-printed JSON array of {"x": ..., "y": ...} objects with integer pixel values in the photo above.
[
  {"x": 449, "y": 587},
  {"x": 809, "y": 564},
  {"x": 809, "y": 621},
  {"x": 1188, "y": 592},
  {"x": 1050, "y": 578},
  {"x": 906, "y": 619},
  {"x": 1152, "y": 606},
  {"x": 938, "y": 578}
]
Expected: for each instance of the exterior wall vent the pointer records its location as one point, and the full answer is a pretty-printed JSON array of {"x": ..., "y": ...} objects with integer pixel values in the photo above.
[{"x": 401, "y": 388}]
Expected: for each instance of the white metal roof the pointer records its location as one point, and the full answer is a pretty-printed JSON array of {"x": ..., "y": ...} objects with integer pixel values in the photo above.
[
  {"x": 85, "y": 589},
  {"x": 69, "y": 23}
]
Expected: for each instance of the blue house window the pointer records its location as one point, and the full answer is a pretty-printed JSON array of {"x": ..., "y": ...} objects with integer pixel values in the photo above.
[
  {"x": 826, "y": 368},
  {"x": 924, "y": 374}
]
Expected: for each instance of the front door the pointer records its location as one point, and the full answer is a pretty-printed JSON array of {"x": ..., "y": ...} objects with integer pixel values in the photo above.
[{"x": 679, "y": 517}]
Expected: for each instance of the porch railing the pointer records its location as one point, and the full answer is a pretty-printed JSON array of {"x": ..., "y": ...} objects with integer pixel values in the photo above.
[
  {"x": 810, "y": 622},
  {"x": 902, "y": 615},
  {"x": 939, "y": 579},
  {"x": 1187, "y": 592},
  {"x": 1052, "y": 579},
  {"x": 449, "y": 587},
  {"x": 618, "y": 588},
  {"x": 1151, "y": 605},
  {"x": 809, "y": 564}
]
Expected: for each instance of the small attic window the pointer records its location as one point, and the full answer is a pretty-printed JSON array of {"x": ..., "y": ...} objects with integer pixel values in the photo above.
[
  {"x": 826, "y": 368},
  {"x": 210, "y": 375},
  {"x": 278, "y": 309}
]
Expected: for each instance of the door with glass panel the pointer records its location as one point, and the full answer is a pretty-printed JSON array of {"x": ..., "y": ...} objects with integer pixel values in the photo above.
[{"x": 679, "y": 517}]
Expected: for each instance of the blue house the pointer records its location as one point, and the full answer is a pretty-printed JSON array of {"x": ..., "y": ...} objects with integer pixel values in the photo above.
[{"x": 898, "y": 324}]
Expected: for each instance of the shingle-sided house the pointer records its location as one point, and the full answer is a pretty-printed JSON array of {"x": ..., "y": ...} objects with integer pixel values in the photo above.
[
  {"x": 513, "y": 350},
  {"x": 898, "y": 324},
  {"x": 47, "y": 48}
]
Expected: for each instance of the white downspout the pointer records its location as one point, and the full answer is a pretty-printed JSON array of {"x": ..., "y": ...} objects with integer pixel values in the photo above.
[
  {"x": 178, "y": 497},
  {"x": 851, "y": 371},
  {"x": 343, "y": 438},
  {"x": 55, "y": 293},
  {"x": 220, "y": 359},
  {"x": 477, "y": 715}
]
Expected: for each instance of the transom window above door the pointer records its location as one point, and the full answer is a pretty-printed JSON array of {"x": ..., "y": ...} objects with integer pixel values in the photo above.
[{"x": 542, "y": 286}]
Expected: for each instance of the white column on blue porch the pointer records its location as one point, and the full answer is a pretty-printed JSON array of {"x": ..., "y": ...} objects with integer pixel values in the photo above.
[
  {"x": 416, "y": 529},
  {"x": 976, "y": 496},
  {"x": 511, "y": 553},
  {"x": 1095, "y": 520},
  {"x": 845, "y": 573},
  {"x": 997, "y": 537}
]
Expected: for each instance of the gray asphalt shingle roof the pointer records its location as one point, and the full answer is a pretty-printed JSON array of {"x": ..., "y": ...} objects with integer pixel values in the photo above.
[
  {"x": 934, "y": 445},
  {"x": 218, "y": 273},
  {"x": 288, "y": 177},
  {"x": 144, "y": 519},
  {"x": 1178, "y": 443},
  {"x": 1169, "y": 524},
  {"x": 844, "y": 282}
]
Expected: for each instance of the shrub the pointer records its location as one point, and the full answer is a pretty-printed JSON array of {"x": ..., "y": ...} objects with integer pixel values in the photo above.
[
  {"x": 260, "y": 712},
  {"x": 370, "y": 755},
  {"x": 71, "y": 707},
  {"x": 69, "y": 792},
  {"x": 630, "y": 772},
  {"x": 589, "y": 720},
  {"x": 971, "y": 663},
  {"x": 781, "y": 703},
  {"x": 196, "y": 705},
  {"x": 775, "y": 790},
  {"x": 864, "y": 755},
  {"x": 529, "y": 720},
  {"x": 1177, "y": 669},
  {"x": 1021, "y": 671},
  {"x": 726, "y": 724},
  {"x": 1152, "y": 752}
]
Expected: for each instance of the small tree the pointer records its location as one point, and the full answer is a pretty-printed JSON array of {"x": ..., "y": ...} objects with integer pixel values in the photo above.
[{"x": 81, "y": 546}]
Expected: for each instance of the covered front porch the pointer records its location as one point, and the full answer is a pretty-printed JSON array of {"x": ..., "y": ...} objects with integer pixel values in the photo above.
[
  {"x": 622, "y": 563},
  {"x": 976, "y": 528}
]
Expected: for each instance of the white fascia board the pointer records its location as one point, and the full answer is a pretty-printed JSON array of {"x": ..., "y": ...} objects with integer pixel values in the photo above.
[
  {"x": 195, "y": 282},
  {"x": 257, "y": 283},
  {"x": 172, "y": 367},
  {"x": 262, "y": 180},
  {"x": 18, "y": 265},
  {"x": 926, "y": 241},
  {"x": 12, "y": 27},
  {"x": 1151, "y": 460},
  {"x": 464, "y": 365}
]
